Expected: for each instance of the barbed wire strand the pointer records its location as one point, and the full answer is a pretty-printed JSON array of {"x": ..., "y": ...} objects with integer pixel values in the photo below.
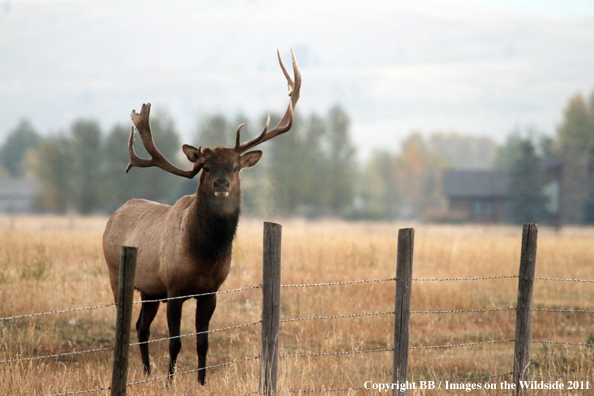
[
  {"x": 460, "y": 345},
  {"x": 338, "y": 316},
  {"x": 197, "y": 333},
  {"x": 564, "y": 280},
  {"x": 80, "y": 392},
  {"x": 464, "y": 310},
  {"x": 198, "y": 295},
  {"x": 392, "y": 312},
  {"x": 464, "y": 279},
  {"x": 563, "y": 310},
  {"x": 560, "y": 376},
  {"x": 340, "y": 283},
  {"x": 132, "y": 344},
  {"x": 135, "y": 302},
  {"x": 475, "y": 378},
  {"x": 56, "y": 312},
  {"x": 192, "y": 371},
  {"x": 325, "y": 390},
  {"x": 57, "y": 355},
  {"x": 563, "y": 343},
  {"x": 335, "y": 353}
]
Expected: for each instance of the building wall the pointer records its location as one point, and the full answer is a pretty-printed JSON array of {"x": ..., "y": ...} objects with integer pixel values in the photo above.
[{"x": 484, "y": 210}]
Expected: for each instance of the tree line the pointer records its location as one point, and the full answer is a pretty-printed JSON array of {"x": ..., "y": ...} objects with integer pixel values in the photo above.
[
  {"x": 311, "y": 171},
  {"x": 307, "y": 171}
]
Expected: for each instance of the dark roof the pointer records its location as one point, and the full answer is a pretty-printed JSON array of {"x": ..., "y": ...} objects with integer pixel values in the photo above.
[{"x": 475, "y": 184}]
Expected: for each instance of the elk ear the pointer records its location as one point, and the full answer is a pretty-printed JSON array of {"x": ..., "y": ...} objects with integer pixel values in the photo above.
[
  {"x": 193, "y": 153},
  {"x": 250, "y": 159}
]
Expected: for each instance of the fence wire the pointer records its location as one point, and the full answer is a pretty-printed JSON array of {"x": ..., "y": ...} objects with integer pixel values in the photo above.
[
  {"x": 476, "y": 378},
  {"x": 340, "y": 283},
  {"x": 461, "y": 345},
  {"x": 192, "y": 371},
  {"x": 563, "y": 343},
  {"x": 197, "y": 333},
  {"x": 464, "y": 279},
  {"x": 563, "y": 310},
  {"x": 198, "y": 295},
  {"x": 135, "y": 302},
  {"x": 335, "y": 353},
  {"x": 80, "y": 392},
  {"x": 56, "y": 312},
  {"x": 564, "y": 280},
  {"x": 338, "y": 316},
  {"x": 325, "y": 390},
  {"x": 57, "y": 355},
  {"x": 464, "y": 310}
]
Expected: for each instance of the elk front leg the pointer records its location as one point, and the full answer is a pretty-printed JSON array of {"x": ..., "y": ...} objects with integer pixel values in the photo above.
[
  {"x": 205, "y": 307},
  {"x": 143, "y": 329},
  {"x": 174, "y": 312}
]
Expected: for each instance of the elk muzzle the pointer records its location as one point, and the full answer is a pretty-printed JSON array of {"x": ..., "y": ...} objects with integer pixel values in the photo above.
[{"x": 221, "y": 187}]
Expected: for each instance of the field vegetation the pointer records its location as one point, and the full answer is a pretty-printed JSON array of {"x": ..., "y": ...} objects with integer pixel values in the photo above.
[{"x": 54, "y": 263}]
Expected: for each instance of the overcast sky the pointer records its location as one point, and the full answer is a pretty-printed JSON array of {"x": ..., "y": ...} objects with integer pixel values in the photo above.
[{"x": 479, "y": 67}]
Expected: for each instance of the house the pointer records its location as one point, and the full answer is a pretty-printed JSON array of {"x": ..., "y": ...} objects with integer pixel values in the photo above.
[
  {"x": 482, "y": 195},
  {"x": 477, "y": 195},
  {"x": 18, "y": 195}
]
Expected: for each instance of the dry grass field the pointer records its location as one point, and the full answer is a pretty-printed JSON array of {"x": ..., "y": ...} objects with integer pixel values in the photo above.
[{"x": 52, "y": 263}]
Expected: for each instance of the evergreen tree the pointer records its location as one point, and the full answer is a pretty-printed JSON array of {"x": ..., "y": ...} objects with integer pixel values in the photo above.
[
  {"x": 13, "y": 152},
  {"x": 341, "y": 161},
  {"x": 379, "y": 187},
  {"x": 215, "y": 130},
  {"x": 87, "y": 163},
  {"x": 510, "y": 152},
  {"x": 314, "y": 161},
  {"x": 55, "y": 169},
  {"x": 285, "y": 168},
  {"x": 527, "y": 201}
]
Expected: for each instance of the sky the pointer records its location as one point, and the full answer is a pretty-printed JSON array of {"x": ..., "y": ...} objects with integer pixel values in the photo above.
[{"x": 478, "y": 67}]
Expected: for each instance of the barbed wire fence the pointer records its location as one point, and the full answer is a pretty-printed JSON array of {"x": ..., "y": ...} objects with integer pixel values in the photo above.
[{"x": 271, "y": 319}]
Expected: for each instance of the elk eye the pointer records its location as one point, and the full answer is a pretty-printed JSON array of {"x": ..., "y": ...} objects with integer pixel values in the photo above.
[
  {"x": 206, "y": 169},
  {"x": 236, "y": 169}
]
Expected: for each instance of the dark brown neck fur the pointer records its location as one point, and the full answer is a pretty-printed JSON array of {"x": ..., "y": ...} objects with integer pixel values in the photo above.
[{"x": 213, "y": 226}]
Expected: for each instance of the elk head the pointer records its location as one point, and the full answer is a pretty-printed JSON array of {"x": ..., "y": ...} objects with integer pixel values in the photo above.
[{"x": 219, "y": 180}]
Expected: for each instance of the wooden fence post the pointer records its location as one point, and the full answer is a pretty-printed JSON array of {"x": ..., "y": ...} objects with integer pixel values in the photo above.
[
  {"x": 123, "y": 320},
  {"x": 404, "y": 261},
  {"x": 524, "y": 304},
  {"x": 270, "y": 308}
]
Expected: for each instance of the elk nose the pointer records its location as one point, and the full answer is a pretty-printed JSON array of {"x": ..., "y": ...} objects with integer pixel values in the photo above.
[{"x": 221, "y": 184}]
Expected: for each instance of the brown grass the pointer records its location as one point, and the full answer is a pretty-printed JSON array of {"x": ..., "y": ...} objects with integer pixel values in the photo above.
[{"x": 50, "y": 263}]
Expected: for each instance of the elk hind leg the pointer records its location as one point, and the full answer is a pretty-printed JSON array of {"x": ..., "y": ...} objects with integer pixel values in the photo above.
[
  {"x": 143, "y": 329},
  {"x": 205, "y": 307}
]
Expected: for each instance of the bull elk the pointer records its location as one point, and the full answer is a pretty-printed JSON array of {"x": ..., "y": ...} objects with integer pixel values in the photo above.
[{"x": 185, "y": 249}]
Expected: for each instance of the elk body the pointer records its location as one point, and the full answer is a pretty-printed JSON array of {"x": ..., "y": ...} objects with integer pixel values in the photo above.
[{"x": 185, "y": 249}]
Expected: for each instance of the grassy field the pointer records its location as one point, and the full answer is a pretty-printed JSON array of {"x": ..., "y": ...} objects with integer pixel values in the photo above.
[{"x": 53, "y": 263}]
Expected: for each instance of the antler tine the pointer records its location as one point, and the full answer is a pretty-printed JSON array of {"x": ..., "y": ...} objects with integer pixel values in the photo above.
[
  {"x": 287, "y": 121},
  {"x": 141, "y": 120}
]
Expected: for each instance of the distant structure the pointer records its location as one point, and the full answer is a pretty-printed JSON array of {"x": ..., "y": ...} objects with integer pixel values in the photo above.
[
  {"x": 18, "y": 195},
  {"x": 570, "y": 180},
  {"x": 482, "y": 196},
  {"x": 477, "y": 195}
]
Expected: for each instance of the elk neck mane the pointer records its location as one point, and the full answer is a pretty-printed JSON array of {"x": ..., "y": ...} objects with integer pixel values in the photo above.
[{"x": 210, "y": 230}]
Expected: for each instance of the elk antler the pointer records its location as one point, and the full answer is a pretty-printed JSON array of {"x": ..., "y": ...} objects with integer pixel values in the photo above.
[
  {"x": 286, "y": 122},
  {"x": 141, "y": 120}
]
